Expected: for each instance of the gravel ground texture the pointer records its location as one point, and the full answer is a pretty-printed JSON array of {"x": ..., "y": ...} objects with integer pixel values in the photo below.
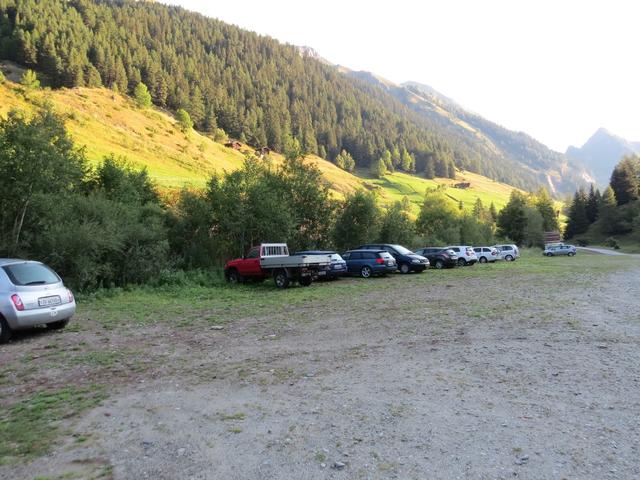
[{"x": 493, "y": 372}]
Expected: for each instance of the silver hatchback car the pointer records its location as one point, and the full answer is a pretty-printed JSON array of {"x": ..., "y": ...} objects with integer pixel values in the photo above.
[{"x": 32, "y": 294}]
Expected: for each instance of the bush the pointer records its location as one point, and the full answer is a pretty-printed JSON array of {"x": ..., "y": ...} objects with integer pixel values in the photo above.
[
  {"x": 612, "y": 243},
  {"x": 220, "y": 136},
  {"x": 142, "y": 95}
]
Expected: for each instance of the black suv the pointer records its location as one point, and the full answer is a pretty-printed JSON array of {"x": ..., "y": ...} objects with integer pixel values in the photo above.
[
  {"x": 439, "y": 257},
  {"x": 407, "y": 260}
]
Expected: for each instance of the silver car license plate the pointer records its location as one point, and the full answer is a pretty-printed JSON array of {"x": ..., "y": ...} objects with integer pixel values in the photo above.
[{"x": 49, "y": 301}]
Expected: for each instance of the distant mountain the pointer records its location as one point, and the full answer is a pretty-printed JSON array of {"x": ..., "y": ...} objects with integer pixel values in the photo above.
[
  {"x": 506, "y": 149},
  {"x": 602, "y": 152}
]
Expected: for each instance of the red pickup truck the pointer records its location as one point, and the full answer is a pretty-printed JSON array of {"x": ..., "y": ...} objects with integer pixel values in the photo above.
[{"x": 273, "y": 260}]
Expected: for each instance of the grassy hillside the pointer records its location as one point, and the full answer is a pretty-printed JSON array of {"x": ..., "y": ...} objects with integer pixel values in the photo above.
[{"x": 105, "y": 122}]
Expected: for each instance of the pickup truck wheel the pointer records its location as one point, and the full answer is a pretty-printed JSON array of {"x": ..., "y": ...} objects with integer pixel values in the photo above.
[
  {"x": 462, "y": 262},
  {"x": 5, "y": 331},
  {"x": 281, "y": 279},
  {"x": 439, "y": 264},
  {"x": 233, "y": 276},
  {"x": 483, "y": 260},
  {"x": 404, "y": 268},
  {"x": 305, "y": 281},
  {"x": 60, "y": 324},
  {"x": 366, "y": 272}
]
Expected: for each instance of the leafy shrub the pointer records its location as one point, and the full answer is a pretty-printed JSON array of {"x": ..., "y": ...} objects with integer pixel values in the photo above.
[{"x": 612, "y": 243}]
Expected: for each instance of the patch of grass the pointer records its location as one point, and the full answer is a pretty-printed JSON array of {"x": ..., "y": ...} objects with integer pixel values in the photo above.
[
  {"x": 30, "y": 427},
  {"x": 235, "y": 430},
  {"x": 232, "y": 416}
]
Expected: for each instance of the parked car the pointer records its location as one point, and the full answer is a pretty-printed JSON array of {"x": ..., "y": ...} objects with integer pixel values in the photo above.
[
  {"x": 32, "y": 294},
  {"x": 553, "y": 250},
  {"x": 338, "y": 266},
  {"x": 439, "y": 257},
  {"x": 367, "y": 263},
  {"x": 508, "y": 252},
  {"x": 406, "y": 260},
  {"x": 466, "y": 255},
  {"x": 273, "y": 260},
  {"x": 487, "y": 254}
]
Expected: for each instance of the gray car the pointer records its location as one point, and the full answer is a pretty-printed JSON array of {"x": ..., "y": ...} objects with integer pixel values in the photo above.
[
  {"x": 554, "y": 250},
  {"x": 32, "y": 294}
]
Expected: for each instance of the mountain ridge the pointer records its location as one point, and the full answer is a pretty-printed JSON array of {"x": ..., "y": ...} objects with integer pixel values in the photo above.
[
  {"x": 601, "y": 152},
  {"x": 520, "y": 150}
]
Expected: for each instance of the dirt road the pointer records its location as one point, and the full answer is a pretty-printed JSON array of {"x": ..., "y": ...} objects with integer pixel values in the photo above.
[{"x": 472, "y": 375}]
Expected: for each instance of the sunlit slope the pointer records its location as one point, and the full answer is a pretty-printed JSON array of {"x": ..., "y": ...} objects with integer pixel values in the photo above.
[{"x": 105, "y": 123}]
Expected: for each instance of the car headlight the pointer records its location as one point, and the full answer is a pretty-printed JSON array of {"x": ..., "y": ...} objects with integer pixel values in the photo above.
[{"x": 415, "y": 260}]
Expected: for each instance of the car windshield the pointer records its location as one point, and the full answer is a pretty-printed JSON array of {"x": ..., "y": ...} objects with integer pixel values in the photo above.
[
  {"x": 27, "y": 274},
  {"x": 401, "y": 250}
]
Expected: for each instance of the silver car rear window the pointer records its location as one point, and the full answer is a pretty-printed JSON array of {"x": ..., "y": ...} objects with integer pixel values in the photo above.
[{"x": 26, "y": 274}]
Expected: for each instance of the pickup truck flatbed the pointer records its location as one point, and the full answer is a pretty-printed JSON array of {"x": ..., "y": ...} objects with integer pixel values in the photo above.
[{"x": 273, "y": 260}]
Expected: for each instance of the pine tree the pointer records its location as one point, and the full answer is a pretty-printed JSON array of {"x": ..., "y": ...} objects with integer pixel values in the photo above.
[
  {"x": 544, "y": 203},
  {"x": 479, "y": 211},
  {"x": 609, "y": 221},
  {"x": 197, "y": 108},
  {"x": 388, "y": 162},
  {"x": 493, "y": 212},
  {"x": 625, "y": 180},
  {"x": 345, "y": 161},
  {"x": 184, "y": 120},
  {"x": 142, "y": 95},
  {"x": 593, "y": 203},
  {"x": 396, "y": 158},
  {"x": 379, "y": 168},
  {"x": 577, "y": 221},
  {"x": 30, "y": 80},
  {"x": 512, "y": 220},
  {"x": 408, "y": 163}
]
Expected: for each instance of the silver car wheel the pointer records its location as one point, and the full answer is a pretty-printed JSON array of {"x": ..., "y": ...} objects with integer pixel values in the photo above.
[{"x": 365, "y": 272}]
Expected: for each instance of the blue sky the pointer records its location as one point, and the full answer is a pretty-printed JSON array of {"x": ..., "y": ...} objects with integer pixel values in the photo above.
[{"x": 557, "y": 70}]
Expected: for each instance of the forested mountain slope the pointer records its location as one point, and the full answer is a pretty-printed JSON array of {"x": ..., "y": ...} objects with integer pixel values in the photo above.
[
  {"x": 255, "y": 88},
  {"x": 505, "y": 152},
  {"x": 105, "y": 123}
]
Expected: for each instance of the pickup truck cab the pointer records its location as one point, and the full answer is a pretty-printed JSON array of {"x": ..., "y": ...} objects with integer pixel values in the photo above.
[{"x": 273, "y": 260}]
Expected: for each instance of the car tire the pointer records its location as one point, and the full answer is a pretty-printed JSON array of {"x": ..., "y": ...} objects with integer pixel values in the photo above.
[
  {"x": 549, "y": 254},
  {"x": 462, "y": 262},
  {"x": 306, "y": 281},
  {"x": 233, "y": 276},
  {"x": 439, "y": 264},
  {"x": 366, "y": 272},
  {"x": 5, "y": 331},
  {"x": 570, "y": 254},
  {"x": 482, "y": 259},
  {"x": 59, "y": 325},
  {"x": 281, "y": 279},
  {"x": 404, "y": 268},
  {"x": 509, "y": 258}
]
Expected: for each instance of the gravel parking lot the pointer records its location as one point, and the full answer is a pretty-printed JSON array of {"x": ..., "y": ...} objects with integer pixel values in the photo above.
[{"x": 526, "y": 370}]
